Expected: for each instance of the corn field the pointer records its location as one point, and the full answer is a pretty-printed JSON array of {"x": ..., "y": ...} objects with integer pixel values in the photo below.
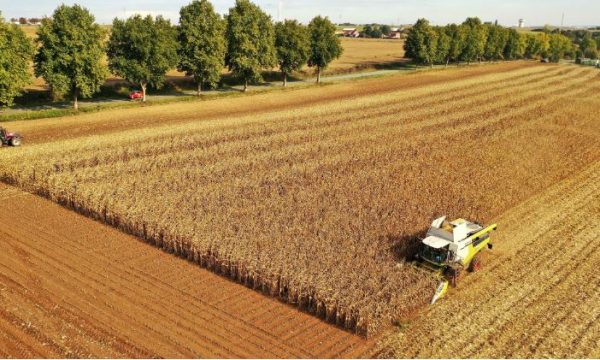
[{"x": 320, "y": 206}]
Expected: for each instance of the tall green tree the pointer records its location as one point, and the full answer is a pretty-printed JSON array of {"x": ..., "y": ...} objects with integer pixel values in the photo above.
[
  {"x": 495, "y": 43},
  {"x": 202, "y": 45},
  {"x": 373, "y": 31},
  {"x": 544, "y": 39},
  {"x": 70, "y": 53},
  {"x": 457, "y": 34},
  {"x": 16, "y": 51},
  {"x": 588, "y": 46},
  {"x": 292, "y": 43},
  {"x": 385, "y": 30},
  {"x": 475, "y": 40},
  {"x": 422, "y": 43},
  {"x": 534, "y": 45},
  {"x": 142, "y": 50},
  {"x": 560, "y": 47},
  {"x": 444, "y": 42},
  {"x": 325, "y": 46},
  {"x": 251, "y": 42},
  {"x": 367, "y": 30},
  {"x": 515, "y": 45}
]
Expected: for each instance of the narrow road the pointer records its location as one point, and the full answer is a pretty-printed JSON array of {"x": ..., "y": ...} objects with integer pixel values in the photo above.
[{"x": 190, "y": 93}]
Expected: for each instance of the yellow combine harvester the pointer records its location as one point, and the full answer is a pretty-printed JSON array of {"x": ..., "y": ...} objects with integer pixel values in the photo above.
[{"x": 451, "y": 247}]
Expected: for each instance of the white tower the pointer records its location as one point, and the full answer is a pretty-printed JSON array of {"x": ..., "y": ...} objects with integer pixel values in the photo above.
[{"x": 521, "y": 23}]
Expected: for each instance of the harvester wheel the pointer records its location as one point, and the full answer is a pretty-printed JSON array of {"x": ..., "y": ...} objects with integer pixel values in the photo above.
[
  {"x": 16, "y": 141},
  {"x": 475, "y": 265}
]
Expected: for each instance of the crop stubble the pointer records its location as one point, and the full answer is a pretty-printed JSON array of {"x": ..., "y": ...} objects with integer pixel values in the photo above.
[
  {"x": 317, "y": 205},
  {"x": 538, "y": 294}
]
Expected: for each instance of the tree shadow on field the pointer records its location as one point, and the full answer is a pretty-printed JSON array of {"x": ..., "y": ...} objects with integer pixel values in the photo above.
[
  {"x": 405, "y": 247},
  {"x": 403, "y": 64}
]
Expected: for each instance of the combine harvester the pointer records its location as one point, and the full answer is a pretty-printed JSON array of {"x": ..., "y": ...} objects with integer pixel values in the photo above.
[{"x": 451, "y": 247}]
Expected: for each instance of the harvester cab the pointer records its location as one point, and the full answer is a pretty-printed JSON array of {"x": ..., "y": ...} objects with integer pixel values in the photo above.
[
  {"x": 9, "y": 138},
  {"x": 450, "y": 247}
]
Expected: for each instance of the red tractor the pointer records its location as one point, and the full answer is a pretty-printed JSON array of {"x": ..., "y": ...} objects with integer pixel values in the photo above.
[{"x": 9, "y": 138}]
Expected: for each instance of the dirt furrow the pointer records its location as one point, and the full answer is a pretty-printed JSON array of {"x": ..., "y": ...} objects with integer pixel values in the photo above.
[
  {"x": 164, "y": 309},
  {"x": 77, "y": 233}
]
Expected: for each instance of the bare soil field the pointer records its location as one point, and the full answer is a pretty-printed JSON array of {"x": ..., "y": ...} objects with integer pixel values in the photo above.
[
  {"x": 72, "y": 287},
  {"x": 319, "y": 205},
  {"x": 538, "y": 294}
]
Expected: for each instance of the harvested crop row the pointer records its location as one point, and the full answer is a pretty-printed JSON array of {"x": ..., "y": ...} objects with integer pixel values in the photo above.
[
  {"x": 528, "y": 302},
  {"x": 318, "y": 206},
  {"x": 244, "y": 132},
  {"x": 114, "y": 121}
]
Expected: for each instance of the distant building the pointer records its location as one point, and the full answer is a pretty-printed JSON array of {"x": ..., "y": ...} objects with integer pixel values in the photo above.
[
  {"x": 350, "y": 32},
  {"x": 521, "y": 23},
  {"x": 396, "y": 33}
]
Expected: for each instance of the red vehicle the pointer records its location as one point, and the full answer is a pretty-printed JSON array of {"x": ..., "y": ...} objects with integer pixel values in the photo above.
[
  {"x": 9, "y": 138},
  {"x": 136, "y": 95}
]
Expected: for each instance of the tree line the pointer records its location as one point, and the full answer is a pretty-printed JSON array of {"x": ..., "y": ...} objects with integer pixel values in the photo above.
[
  {"x": 26, "y": 21},
  {"x": 376, "y": 31},
  {"x": 588, "y": 42},
  {"x": 474, "y": 41},
  {"x": 71, "y": 47}
]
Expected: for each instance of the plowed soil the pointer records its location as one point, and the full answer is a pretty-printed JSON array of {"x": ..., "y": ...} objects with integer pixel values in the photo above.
[
  {"x": 538, "y": 294},
  {"x": 72, "y": 287}
]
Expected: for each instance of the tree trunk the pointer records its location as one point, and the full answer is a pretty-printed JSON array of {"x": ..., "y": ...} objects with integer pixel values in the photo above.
[
  {"x": 143, "y": 86},
  {"x": 447, "y": 62},
  {"x": 199, "y": 92},
  {"x": 284, "y": 79},
  {"x": 245, "y": 85},
  {"x": 318, "y": 74},
  {"x": 75, "y": 102}
]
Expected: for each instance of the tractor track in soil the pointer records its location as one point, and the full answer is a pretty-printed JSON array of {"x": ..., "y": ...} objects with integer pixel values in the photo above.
[{"x": 70, "y": 286}]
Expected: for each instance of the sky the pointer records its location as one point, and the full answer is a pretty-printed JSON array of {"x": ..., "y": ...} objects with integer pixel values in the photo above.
[{"x": 439, "y": 12}]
